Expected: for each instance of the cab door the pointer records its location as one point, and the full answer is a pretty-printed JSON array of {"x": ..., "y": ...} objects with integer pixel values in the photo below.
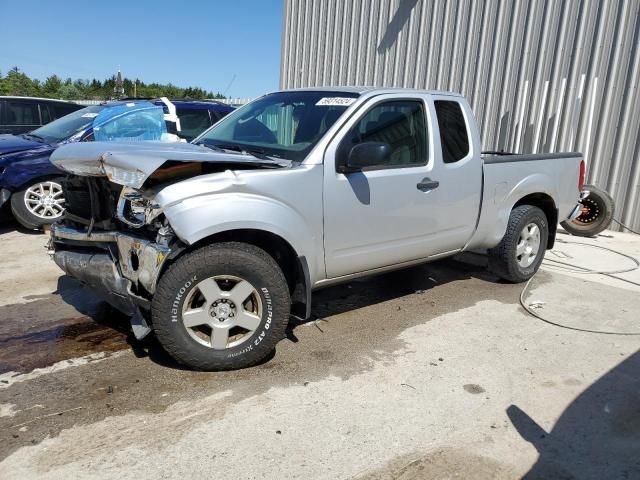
[{"x": 399, "y": 210}]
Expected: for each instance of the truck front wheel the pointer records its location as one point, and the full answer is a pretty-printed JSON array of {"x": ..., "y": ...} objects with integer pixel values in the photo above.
[
  {"x": 519, "y": 255},
  {"x": 221, "y": 307}
]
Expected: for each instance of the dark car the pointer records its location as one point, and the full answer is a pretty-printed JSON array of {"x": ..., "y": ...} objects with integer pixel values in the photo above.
[
  {"x": 32, "y": 183},
  {"x": 196, "y": 116},
  {"x": 23, "y": 114}
]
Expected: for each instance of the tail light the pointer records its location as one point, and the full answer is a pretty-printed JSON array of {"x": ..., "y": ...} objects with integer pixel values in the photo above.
[{"x": 581, "y": 175}]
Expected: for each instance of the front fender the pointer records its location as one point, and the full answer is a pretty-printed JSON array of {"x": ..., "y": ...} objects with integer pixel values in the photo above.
[
  {"x": 20, "y": 173},
  {"x": 202, "y": 216}
]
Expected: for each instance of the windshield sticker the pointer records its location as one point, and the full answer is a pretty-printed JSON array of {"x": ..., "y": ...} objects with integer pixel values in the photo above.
[
  {"x": 89, "y": 115},
  {"x": 336, "y": 101}
]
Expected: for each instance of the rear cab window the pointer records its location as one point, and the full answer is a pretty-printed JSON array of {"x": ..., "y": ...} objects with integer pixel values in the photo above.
[{"x": 454, "y": 135}]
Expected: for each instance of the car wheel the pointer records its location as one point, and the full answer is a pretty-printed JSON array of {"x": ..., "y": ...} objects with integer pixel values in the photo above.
[
  {"x": 222, "y": 307},
  {"x": 519, "y": 255},
  {"x": 597, "y": 213},
  {"x": 38, "y": 204}
]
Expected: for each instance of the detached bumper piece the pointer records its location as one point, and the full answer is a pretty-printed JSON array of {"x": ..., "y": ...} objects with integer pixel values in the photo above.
[{"x": 123, "y": 269}]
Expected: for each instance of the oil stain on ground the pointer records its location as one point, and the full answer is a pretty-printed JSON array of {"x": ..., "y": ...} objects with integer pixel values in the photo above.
[
  {"x": 47, "y": 330},
  {"x": 473, "y": 388}
]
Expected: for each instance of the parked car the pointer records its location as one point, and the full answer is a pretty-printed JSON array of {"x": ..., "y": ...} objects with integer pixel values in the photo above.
[
  {"x": 28, "y": 178},
  {"x": 213, "y": 244},
  {"x": 23, "y": 114}
]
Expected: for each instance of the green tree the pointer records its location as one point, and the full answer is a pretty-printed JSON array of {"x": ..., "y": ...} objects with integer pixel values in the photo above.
[
  {"x": 4, "y": 88},
  {"x": 17, "y": 83},
  {"x": 51, "y": 86}
]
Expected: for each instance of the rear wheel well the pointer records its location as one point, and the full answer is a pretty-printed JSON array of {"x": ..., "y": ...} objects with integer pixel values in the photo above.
[{"x": 545, "y": 203}]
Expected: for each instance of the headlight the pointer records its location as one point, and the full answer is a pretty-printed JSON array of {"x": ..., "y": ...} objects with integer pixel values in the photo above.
[
  {"x": 124, "y": 177},
  {"x": 135, "y": 210}
]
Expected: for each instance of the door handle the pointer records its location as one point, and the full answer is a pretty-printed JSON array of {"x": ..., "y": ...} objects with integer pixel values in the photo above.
[{"x": 426, "y": 184}]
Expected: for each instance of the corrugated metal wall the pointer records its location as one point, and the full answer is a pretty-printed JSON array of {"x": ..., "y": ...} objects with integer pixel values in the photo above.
[{"x": 541, "y": 75}]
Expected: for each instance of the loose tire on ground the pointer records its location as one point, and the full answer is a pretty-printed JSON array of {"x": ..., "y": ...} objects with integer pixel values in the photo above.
[
  {"x": 203, "y": 282},
  {"x": 512, "y": 258},
  {"x": 47, "y": 213},
  {"x": 596, "y": 217}
]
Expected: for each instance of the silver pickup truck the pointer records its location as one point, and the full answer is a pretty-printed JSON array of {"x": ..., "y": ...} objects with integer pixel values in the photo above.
[{"x": 213, "y": 245}]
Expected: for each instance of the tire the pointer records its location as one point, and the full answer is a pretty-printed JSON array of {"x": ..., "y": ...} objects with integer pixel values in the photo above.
[
  {"x": 597, "y": 217},
  {"x": 189, "y": 293},
  {"x": 504, "y": 259},
  {"x": 33, "y": 215}
]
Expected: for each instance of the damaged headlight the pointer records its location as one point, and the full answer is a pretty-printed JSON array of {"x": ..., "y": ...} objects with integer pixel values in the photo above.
[
  {"x": 123, "y": 176},
  {"x": 135, "y": 209}
]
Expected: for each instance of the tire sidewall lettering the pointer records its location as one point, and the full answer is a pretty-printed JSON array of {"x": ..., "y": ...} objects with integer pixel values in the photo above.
[
  {"x": 269, "y": 316},
  {"x": 176, "y": 304}
]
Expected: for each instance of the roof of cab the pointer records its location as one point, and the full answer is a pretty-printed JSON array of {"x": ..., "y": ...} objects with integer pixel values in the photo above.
[{"x": 360, "y": 90}]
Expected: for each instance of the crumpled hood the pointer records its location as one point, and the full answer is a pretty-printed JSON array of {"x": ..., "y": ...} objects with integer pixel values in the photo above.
[
  {"x": 130, "y": 164},
  {"x": 14, "y": 143}
]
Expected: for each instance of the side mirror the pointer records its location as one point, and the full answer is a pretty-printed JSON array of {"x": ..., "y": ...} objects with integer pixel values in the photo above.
[{"x": 363, "y": 155}]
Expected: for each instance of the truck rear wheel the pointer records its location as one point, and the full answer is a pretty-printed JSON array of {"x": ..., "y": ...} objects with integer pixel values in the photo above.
[
  {"x": 222, "y": 307},
  {"x": 519, "y": 255}
]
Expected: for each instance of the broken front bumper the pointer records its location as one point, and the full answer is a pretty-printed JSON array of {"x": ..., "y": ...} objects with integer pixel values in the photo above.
[{"x": 122, "y": 268}]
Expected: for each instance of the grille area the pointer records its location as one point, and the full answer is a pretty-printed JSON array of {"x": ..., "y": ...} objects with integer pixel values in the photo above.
[{"x": 90, "y": 201}]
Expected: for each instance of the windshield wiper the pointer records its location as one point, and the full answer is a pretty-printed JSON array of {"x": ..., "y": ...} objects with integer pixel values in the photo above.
[
  {"x": 256, "y": 152},
  {"x": 210, "y": 146}
]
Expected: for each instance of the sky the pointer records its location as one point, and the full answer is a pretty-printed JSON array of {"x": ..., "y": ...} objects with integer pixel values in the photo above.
[{"x": 231, "y": 47}]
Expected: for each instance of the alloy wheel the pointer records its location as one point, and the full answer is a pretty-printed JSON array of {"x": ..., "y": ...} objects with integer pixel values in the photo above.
[
  {"x": 45, "y": 200},
  {"x": 222, "y": 311},
  {"x": 528, "y": 245}
]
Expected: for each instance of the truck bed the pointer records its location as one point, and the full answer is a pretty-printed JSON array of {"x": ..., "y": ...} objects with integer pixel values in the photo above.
[{"x": 507, "y": 178}]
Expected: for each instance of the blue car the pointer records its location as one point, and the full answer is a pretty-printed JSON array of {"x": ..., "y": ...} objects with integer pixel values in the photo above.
[{"x": 31, "y": 184}]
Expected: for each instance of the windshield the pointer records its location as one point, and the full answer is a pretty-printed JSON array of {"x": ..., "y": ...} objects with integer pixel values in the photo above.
[
  {"x": 130, "y": 123},
  {"x": 64, "y": 127},
  {"x": 283, "y": 125}
]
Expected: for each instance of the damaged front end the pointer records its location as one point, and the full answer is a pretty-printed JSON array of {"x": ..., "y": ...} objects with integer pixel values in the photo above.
[
  {"x": 114, "y": 241},
  {"x": 114, "y": 237}
]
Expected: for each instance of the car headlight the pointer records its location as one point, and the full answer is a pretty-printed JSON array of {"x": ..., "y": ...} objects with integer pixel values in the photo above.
[{"x": 135, "y": 209}]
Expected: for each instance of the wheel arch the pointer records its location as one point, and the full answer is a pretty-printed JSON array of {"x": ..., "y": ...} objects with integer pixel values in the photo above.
[
  {"x": 293, "y": 265},
  {"x": 545, "y": 203},
  {"x": 36, "y": 179}
]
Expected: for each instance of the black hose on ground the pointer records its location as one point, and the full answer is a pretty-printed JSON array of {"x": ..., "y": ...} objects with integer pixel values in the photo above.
[
  {"x": 624, "y": 226},
  {"x": 585, "y": 270}
]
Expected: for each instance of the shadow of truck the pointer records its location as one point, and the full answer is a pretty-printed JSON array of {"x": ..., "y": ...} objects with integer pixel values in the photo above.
[{"x": 597, "y": 436}]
